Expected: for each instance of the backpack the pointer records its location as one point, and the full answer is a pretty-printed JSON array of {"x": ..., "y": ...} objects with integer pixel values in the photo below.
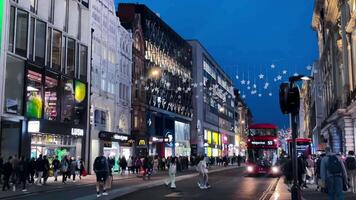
[
  {"x": 334, "y": 165},
  {"x": 350, "y": 163},
  {"x": 100, "y": 163}
]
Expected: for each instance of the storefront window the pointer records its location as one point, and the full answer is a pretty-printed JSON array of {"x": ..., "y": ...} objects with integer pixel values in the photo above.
[
  {"x": 56, "y": 50},
  {"x": 209, "y": 137},
  {"x": 11, "y": 29},
  {"x": 215, "y": 138},
  {"x": 70, "y": 57},
  {"x": 67, "y": 100},
  {"x": 14, "y": 85},
  {"x": 40, "y": 46},
  {"x": 34, "y": 101},
  {"x": 21, "y": 33},
  {"x": 51, "y": 97},
  {"x": 32, "y": 33}
]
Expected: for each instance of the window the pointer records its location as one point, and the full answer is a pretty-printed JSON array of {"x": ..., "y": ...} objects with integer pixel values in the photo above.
[
  {"x": 40, "y": 46},
  {"x": 56, "y": 50},
  {"x": 12, "y": 26},
  {"x": 34, "y": 103},
  {"x": 14, "y": 85},
  {"x": 49, "y": 46},
  {"x": 85, "y": 3},
  {"x": 21, "y": 33},
  {"x": 33, "y": 6},
  {"x": 83, "y": 62},
  {"x": 67, "y": 100},
  {"x": 70, "y": 69},
  {"x": 51, "y": 97},
  {"x": 32, "y": 36}
]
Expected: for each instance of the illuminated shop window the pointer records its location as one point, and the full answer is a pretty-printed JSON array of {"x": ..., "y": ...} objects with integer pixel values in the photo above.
[
  {"x": 209, "y": 137},
  {"x": 34, "y": 102},
  {"x": 51, "y": 98}
]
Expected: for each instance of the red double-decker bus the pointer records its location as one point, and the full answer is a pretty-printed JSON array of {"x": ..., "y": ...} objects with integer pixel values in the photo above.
[{"x": 262, "y": 150}]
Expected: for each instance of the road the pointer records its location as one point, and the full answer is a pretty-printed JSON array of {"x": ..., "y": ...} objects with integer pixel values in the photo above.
[{"x": 230, "y": 184}]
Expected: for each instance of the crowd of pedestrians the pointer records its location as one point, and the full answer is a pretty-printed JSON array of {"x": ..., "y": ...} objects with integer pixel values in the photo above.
[
  {"x": 18, "y": 172},
  {"x": 330, "y": 173}
]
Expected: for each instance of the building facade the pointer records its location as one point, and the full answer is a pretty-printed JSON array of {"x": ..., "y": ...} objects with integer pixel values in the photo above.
[
  {"x": 212, "y": 130},
  {"x": 45, "y": 104},
  {"x": 334, "y": 22},
  {"x": 161, "y": 90},
  {"x": 111, "y": 83}
]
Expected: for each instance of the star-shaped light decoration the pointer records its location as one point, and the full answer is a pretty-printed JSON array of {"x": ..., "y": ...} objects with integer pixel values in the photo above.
[
  {"x": 147, "y": 88},
  {"x": 239, "y": 92},
  {"x": 259, "y": 95},
  {"x": 168, "y": 84},
  {"x": 243, "y": 82},
  {"x": 273, "y": 66},
  {"x": 254, "y": 86},
  {"x": 243, "y": 96},
  {"x": 279, "y": 77},
  {"x": 284, "y": 72},
  {"x": 237, "y": 77},
  {"x": 309, "y": 67},
  {"x": 179, "y": 89},
  {"x": 296, "y": 74},
  {"x": 248, "y": 87},
  {"x": 248, "y": 82},
  {"x": 315, "y": 71},
  {"x": 201, "y": 83},
  {"x": 195, "y": 85},
  {"x": 270, "y": 94},
  {"x": 261, "y": 76},
  {"x": 275, "y": 79}
]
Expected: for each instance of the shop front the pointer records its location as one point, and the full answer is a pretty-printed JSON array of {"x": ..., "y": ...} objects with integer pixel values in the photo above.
[
  {"x": 182, "y": 139},
  {"x": 212, "y": 143},
  {"x": 52, "y": 138}
]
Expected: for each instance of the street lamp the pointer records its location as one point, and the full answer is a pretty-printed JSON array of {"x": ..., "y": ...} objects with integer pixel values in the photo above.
[
  {"x": 154, "y": 72},
  {"x": 289, "y": 100}
]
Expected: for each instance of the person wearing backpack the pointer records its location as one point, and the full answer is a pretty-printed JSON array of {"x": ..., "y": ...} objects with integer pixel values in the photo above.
[
  {"x": 350, "y": 163},
  {"x": 333, "y": 175},
  {"x": 101, "y": 169}
]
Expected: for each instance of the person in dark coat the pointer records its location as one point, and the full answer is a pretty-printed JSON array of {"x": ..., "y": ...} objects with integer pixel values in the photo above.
[
  {"x": 123, "y": 164},
  {"x": 7, "y": 173},
  {"x": 302, "y": 168},
  {"x": 39, "y": 166},
  {"x": 32, "y": 170},
  {"x": 45, "y": 169},
  {"x": 23, "y": 169},
  {"x": 56, "y": 166}
]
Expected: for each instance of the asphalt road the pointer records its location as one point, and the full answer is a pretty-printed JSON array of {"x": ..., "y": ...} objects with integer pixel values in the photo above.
[{"x": 230, "y": 184}]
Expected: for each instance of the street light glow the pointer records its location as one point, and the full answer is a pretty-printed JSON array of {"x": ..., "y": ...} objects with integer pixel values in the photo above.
[
  {"x": 306, "y": 78},
  {"x": 155, "y": 72}
]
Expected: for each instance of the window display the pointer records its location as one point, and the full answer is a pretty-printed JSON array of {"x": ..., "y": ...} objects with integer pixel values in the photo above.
[
  {"x": 67, "y": 100},
  {"x": 51, "y": 97},
  {"x": 34, "y": 101}
]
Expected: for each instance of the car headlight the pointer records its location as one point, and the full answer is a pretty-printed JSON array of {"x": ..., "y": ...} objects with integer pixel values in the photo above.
[
  {"x": 249, "y": 168},
  {"x": 275, "y": 170}
]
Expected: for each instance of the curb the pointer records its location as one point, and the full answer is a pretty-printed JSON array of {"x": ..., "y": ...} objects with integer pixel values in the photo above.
[
  {"x": 268, "y": 194},
  {"x": 115, "y": 193}
]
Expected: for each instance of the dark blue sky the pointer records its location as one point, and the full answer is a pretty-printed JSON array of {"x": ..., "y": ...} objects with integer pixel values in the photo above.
[{"x": 246, "y": 37}]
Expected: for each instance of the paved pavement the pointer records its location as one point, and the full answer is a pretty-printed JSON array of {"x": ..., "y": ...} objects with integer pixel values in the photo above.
[
  {"x": 229, "y": 184},
  {"x": 282, "y": 192},
  {"x": 85, "y": 188}
]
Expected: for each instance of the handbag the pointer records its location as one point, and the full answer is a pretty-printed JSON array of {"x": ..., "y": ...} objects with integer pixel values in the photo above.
[{"x": 84, "y": 172}]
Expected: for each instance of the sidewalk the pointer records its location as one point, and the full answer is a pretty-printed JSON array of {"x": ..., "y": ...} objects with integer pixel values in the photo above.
[
  {"x": 282, "y": 192},
  {"x": 90, "y": 180}
]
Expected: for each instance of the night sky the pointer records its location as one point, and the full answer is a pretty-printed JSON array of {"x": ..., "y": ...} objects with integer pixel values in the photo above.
[{"x": 248, "y": 38}]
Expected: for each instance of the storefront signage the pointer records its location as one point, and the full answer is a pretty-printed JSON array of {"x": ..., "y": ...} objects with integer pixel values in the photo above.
[
  {"x": 109, "y": 136},
  {"x": 121, "y": 137},
  {"x": 34, "y": 126},
  {"x": 77, "y": 132},
  {"x": 263, "y": 143},
  {"x": 142, "y": 142},
  {"x": 161, "y": 139}
]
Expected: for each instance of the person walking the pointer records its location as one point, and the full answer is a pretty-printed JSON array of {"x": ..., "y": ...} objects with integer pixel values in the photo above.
[
  {"x": 310, "y": 169},
  {"x": 317, "y": 172},
  {"x": 203, "y": 174},
  {"x": 73, "y": 168},
  {"x": 123, "y": 165},
  {"x": 31, "y": 170},
  {"x": 56, "y": 165},
  {"x": 39, "y": 166},
  {"x": 101, "y": 169},
  {"x": 302, "y": 168},
  {"x": 239, "y": 158},
  {"x": 130, "y": 164},
  {"x": 82, "y": 171},
  {"x": 350, "y": 163},
  {"x": 7, "y": 173},
  {"x": 172, "y": 170},
  {"x": 15, "y": 177},
  {"x": 45, "y": 169},
  {"x": 64, "y": 169},
  {"x": 333, "y": 175},
  {"x": 23, "y": 169}
]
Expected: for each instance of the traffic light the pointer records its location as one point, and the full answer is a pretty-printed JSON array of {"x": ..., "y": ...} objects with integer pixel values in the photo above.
[{"x": 289, "y": 99}]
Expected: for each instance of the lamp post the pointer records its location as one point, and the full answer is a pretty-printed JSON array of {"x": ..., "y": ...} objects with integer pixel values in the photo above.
[{"x": 290, "y": 102}]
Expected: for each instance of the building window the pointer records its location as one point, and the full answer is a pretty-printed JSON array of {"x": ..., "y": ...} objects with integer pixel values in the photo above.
[
  {"x": 51, "y": 97},
  {"x": 21, "y": 33},
  {"x": 32, "y": 37},
  {"x": 56, "y": 50},
  {"x": 40, "y": 47},
  {"x": 49, "y": 46},
  {"x": 33, "y": 6},
  {"x": 14, "y": 85},
  {"x": 12, "y": 26},
  {"x": 70, "y": 69},
  {"x": 67, "y": 107},
  {"x": 34, "y": 102},
  {"x": 85, "y": 3},
  {"x": 83, "y": 65}
]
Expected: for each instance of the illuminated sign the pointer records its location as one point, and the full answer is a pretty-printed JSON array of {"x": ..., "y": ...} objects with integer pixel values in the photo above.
[
  {"x": 162, "y": 139},
  {"x": 34, "y": 126},
  {"x": 142, "y": 142},
  {"x": 77, "y": 132},
  {"x": 268, "y": 142},
  {"x": 121, "y": 137}
]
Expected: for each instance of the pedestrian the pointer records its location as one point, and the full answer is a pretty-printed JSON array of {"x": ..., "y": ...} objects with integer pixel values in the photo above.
[
  {"x": 1, "y": 168},
  {"x": 123, "y": 165},
  {"x": 239, "y": 158},
  {"x": 130, "y": 164},
  {"x": 32, "y": 170},
  {"x": 333, "y": 175},
  {"x": 101, "y": 169},
  {"x": 155, "y": 164},
  {"x": 23, "y": 169},
  {"x": 39, "y": 166},
  {"x": 302, "y": 171},
  {"x": 64, "y": 168},
  {"x": 350, "y": 163},
  {"x": 7, "y": 173},
  {"x": 202, "y": 168},
  {"x": 73, "y": 167},
  {"x": 138, "y": 165},
  {"x": 82, "y": 171},
  {"x": 45, "y": 169},
  {"x": 172, "y": 170},
  {"x": 310, "y": 169},
  {"x": 15, "y": 177},
  {"x": 56, "y": 165},
  {"x": 78, "y": 168}
]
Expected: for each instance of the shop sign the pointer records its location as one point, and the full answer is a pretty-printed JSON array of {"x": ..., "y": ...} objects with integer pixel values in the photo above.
[
  {"x": 161, "y": 139},
  {"x": 34, "y": 126},
  {"x": 262, "y": 143},
  {"x": 121, "y": 137},
  {"x": 77, "y": 132},
  {"x": 142, "y": 142}
]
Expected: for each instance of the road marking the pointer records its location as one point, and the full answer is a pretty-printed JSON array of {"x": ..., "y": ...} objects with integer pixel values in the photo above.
[
  {"x": 269, "y": 191},
  {"x": 174, "y": 195}
]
